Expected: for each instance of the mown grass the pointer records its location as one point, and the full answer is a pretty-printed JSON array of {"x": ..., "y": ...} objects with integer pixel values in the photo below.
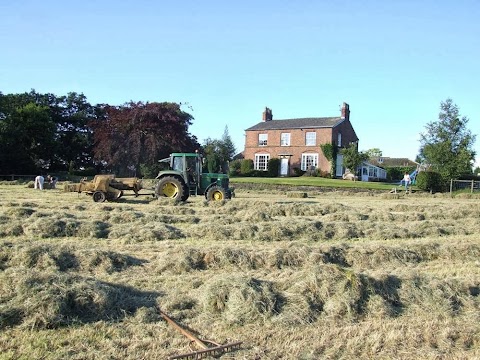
[{"x": 331, "y": 275}]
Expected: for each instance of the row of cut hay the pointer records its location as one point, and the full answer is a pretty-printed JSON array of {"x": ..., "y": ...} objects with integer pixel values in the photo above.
[
  {"x": 338, "y": 212},
  {"x": 55, "y": 228},
  {"x": 33, "y": 299},
  {"x": 333, "y": 292},
  {"x": 400, "y": 212},
  {"x": 130, "y": 234},
  {"x": 129, "y": 225},
  {"x": 316, "y": 230},
  {"x": 329, "y": 291},
  {"x": 404, "y": 338},
  {"x": 243, "y": 211},
  {"x": 68, "y": 227},
  {"x": 190, "y": 259},
  {"x": 51, "y": 257},
  {"x": 416, "y": 252},
  {"x": 240, "y": 299},
  {"x": 47, "y": 299}
]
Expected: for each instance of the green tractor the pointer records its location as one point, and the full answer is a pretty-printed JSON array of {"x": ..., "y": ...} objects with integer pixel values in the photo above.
[{"x": 185, "y": 178}]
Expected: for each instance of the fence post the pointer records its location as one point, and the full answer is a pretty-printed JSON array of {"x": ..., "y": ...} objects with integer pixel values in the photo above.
[
  {"x": 451, "y": 187},
  {"x": 472, "y": 187}
]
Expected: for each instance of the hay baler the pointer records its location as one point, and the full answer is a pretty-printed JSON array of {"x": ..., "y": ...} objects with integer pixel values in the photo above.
[{"x": 106, "y": 187}]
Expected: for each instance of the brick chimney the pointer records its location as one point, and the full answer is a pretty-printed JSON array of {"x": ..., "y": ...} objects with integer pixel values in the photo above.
[
  {"x": 267, "y": 115},
  {"x": 345, "y": 111}
]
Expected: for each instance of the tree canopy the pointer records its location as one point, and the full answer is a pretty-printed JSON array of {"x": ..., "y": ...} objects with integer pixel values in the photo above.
[
  {"x": 374, "y": 153},
  {"x": 45, "y": 132},
  {"x": 218, "y": 153},
  {"x": 352, "y": 158},
  {"x": 447, "y": 144},
  {"x": 133, "y": 134}
]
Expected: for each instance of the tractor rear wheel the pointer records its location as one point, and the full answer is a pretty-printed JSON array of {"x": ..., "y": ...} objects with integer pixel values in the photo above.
[
  {"x": 217, "y": 193},
  {"x": 173, "y": 188},
  {"x": 99, "y": 196}
]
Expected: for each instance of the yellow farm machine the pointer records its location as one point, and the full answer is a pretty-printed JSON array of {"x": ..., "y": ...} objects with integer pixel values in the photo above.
[{"x": 106, "y": 187}]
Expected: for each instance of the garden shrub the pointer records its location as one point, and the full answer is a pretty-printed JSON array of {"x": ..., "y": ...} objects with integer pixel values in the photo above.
[
  {"x": 235, "y": 168},
  {"x": 273, "y": 167},
  {"x": 298, "y": 171},
  {"x": 246, "y": 167},
  {"x": 429, "y": 181}
]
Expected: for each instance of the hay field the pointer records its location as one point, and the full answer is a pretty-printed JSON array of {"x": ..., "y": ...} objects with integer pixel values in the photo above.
[{"x": 330, "y": 276}]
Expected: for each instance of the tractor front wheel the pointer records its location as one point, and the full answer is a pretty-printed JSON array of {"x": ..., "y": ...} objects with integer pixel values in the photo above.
[
  {"x": 172, "y": 187},
  {"x": 99, "y": 196},
  {"x": 217, "y": 193}
]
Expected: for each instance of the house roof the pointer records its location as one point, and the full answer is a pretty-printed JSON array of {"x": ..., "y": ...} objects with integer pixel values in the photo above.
[
  {"x": 308, "y": 123},
  {"x": 392, "y": 162}
]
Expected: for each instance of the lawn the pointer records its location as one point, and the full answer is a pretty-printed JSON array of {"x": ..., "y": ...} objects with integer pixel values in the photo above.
[{"x": 316, "y": 182}]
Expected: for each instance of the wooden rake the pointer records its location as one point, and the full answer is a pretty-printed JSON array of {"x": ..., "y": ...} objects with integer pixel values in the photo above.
[{"x": 207, "y": 347}]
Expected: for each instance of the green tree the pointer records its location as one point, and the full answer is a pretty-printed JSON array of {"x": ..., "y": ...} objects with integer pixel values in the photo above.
[
  {"x": 70, "y": 115},
  {"x": 352, "y": 158},
  {"x": 228, "y": 148},
  {"x": 218, "y": 153},
  {"x": 447, "y": 144},
  {"x": 27, "y": 137},
  {"x": 374, "y": 153},
  {"x": 74, "y": 140},
  {"x": 212, "y": 156}
]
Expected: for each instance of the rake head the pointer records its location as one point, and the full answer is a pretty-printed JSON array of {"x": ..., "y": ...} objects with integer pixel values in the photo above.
[
  {"x": 212, "y": 351},
  {"x": 207, "y": 348}
]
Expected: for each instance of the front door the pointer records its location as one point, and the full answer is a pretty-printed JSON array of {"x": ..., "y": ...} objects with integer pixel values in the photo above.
[{"x": 284, "y": 167}]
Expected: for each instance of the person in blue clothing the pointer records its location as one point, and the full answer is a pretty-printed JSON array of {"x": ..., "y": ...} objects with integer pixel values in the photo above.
[{"x": 407, "y": 180}]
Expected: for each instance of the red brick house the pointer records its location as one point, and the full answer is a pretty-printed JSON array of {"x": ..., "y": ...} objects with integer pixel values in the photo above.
[{"x": 297, "y": 141}]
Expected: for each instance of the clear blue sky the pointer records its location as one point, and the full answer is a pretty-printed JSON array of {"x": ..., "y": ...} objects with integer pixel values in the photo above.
[{"x": 393, "y": 62}]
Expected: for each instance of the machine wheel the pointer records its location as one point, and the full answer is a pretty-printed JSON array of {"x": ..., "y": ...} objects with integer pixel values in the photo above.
[
  {"x": 173, "y": 188},
  {"x": 99, "y": 196},
  {"x": 217, "y": 193}
]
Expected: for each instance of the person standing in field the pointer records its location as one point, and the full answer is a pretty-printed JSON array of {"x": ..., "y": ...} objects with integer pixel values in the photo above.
[
  {"x": 52, "y": 180},
  {"x": 39, "y": 180},
  {"x": 407, "y": 180}
]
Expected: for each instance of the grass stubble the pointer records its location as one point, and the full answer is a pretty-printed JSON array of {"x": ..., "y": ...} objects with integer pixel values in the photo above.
[{"x": 330, "y": 275}]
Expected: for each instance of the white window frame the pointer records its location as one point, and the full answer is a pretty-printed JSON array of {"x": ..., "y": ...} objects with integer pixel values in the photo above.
[
  {"x": 261, "y": 162},
  {"x": 310, "y": 138},
  {"x": 262, "y": 139},
  {"x": 339, "y": 139},
  {"x": 285, "y": 139},
  {"x": 309, "y": 160}
]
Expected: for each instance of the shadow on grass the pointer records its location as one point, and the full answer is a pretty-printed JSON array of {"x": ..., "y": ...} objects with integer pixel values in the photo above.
[{"x": 55, "y": 300}]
